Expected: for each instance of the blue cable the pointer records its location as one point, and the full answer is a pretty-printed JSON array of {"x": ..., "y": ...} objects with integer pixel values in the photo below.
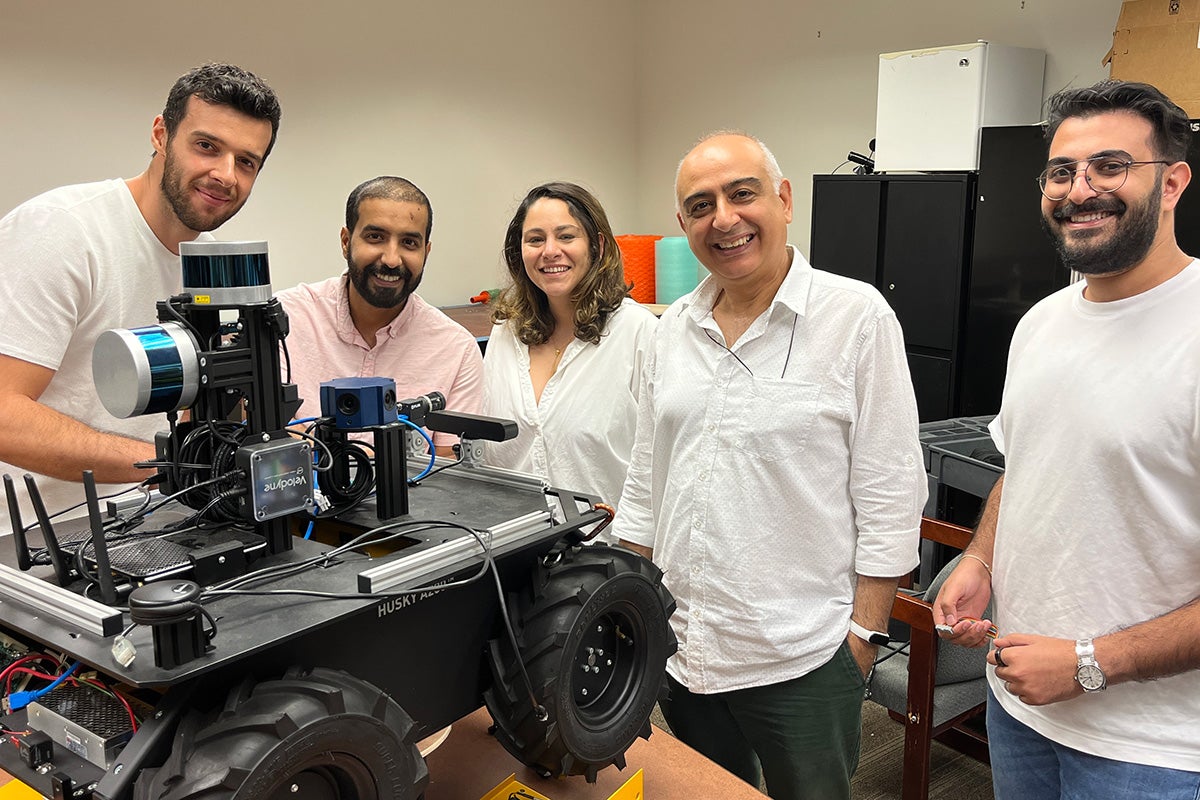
[
  {"x": 308, "y": 533},
  {"x": 428, "y": 440},
  {"x": 18, "y": 700},
  {"x": 301, "y": 421}
]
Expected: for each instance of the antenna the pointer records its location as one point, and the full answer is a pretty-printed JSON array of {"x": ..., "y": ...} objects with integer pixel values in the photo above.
[
  {"x": 108, "y": 590},
  {"x": 18, "y": 528},
  {"x": 62, "y": 572}
]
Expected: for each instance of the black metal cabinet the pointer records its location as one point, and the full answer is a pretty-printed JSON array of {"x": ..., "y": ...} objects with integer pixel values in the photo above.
[{"x": 959, "y": 256}]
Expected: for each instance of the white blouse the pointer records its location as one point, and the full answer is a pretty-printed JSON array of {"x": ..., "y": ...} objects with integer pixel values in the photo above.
[{"x": 580, "y": 436}]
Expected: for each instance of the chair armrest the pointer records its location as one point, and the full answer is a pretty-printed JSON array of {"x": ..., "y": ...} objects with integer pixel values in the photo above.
[
  {"x": 913, "y": 611},
  {"x": 946, "y": 533}
]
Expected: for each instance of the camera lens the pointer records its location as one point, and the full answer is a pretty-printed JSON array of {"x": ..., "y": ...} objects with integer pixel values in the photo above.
[{"x": 347, "y": 403}]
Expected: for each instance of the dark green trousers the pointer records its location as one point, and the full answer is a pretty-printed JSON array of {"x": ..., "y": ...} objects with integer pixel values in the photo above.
[{"x": 803, "y": 736}]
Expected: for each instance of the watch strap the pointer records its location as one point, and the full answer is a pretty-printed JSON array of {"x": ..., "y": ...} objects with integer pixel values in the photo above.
[
  {"x": 1085, "y": 658},
  {"x": 874, "y": 637}
]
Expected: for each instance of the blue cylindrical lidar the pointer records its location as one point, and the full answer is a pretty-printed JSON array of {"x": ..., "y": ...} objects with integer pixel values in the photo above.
[
  {"x": 147, "y": 370},
  {"x": 226, "y": 273},
  {"x": 676, "y": 269},
  {"x": 166, "y": 368}
]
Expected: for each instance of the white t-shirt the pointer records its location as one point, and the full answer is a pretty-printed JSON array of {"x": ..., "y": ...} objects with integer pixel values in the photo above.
[
  {"x": 580, "y": 436},
  {"x": 1099, "y": 525},
  {"x": 767, "y": 478},
  {"x": 75, "y": 262}
]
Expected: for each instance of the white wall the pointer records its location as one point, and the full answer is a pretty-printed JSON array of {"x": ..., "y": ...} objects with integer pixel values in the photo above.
[
  {"x": 477, "y": 101},
  {"x": 802, "y": 75}
]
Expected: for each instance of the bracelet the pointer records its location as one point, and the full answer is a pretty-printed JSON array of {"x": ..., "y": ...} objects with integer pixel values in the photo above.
[
  {"x": 980, "y": 560},
  {"x": 873, "y": 637}
]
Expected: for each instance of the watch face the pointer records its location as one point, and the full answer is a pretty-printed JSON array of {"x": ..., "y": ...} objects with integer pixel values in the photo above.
[{"x": 1090, "y": 678}]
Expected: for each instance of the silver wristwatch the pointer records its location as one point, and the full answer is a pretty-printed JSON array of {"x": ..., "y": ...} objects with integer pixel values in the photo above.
[{"x": 1087, "y": 672}]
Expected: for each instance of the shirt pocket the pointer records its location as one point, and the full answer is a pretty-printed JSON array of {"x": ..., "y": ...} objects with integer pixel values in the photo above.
[{"x": 777, "y": 418}]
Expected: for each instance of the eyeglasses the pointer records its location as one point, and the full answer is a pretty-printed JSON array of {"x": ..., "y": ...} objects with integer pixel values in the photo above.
[{"x": 1104, "y": 174}]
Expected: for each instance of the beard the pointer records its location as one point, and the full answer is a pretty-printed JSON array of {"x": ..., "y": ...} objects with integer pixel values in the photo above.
[
  {"x": 179, "y": 197},
  {"x": 378, "y": 296},
  {"x": 1125, "y": 247}
]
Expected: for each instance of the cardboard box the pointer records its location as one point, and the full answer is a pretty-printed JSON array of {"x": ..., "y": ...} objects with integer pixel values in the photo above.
[{"x": 1158, "y": 42}]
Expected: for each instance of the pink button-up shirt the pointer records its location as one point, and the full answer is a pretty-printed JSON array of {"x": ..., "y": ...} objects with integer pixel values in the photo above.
[{"x": 422, "y": 349}]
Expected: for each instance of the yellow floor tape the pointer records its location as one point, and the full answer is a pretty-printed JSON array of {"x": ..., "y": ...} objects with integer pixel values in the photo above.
[
  {"x": 15, "y": 790},
  {"x": 512, "y": 789}
]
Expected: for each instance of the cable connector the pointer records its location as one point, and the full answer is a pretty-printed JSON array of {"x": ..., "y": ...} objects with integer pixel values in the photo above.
[
  {"x": 18, "y": 700},
  {"x": 123, "y": 651}
]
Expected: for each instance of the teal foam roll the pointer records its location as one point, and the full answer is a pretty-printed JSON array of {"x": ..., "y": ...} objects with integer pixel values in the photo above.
[{"x": 676, "y": 269}]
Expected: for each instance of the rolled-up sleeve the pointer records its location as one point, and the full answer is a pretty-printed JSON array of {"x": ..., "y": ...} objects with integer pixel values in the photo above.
[
  {"x": 888, "y": 486},
  {"x": 635, "y": 512}
]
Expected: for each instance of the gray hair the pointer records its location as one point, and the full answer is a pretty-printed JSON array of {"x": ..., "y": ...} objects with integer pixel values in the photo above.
[{"x": 773, "y": 171}]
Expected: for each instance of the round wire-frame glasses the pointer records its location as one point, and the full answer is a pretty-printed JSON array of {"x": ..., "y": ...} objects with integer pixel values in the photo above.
[{"x": 1104, "y": 174}]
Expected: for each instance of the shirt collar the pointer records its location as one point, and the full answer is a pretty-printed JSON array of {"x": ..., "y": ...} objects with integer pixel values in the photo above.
[
  {"x": 346, "y": 329},
  {"x": 792, "y": 293}
]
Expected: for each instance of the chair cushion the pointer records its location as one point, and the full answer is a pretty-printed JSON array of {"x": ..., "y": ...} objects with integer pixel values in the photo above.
[
  {"x": 955, "y": 662},
  {"x": 889, "y": 688}
]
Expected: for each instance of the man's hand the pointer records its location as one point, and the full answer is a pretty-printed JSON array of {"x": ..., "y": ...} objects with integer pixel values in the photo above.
[
  {"x": 37, "y": 438},
  {"x": 1037, "y": 670},
  {"x": 964, "y": 594},
  {"x": 863, "y": 652},
  {"x": 643, "y": 551}
]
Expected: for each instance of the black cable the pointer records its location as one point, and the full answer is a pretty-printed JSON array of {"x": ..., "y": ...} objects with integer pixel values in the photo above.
[
  {"x": 725, "y": 347},
  {"x": 228, "y": 588},
  {"x": 892, "y": 651},
  {"x": 359, "y": 471},
  {"x": 327, "y": 452},
  {"x": 539, "y": 711},
  {"x": 141, "y": 485},
  {"x": 169, "y": 305},
  {"x": 367, "y": 537},
  {"x": 431, "y": 473},
  {"x": 287, "y": 358}
]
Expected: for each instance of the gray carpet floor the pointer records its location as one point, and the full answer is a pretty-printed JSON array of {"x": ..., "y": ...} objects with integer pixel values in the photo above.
[{"x": 953, "y": 776}]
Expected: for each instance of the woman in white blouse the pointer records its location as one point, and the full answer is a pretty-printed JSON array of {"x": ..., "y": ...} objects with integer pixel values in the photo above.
[{"x": 565, "y": 355}]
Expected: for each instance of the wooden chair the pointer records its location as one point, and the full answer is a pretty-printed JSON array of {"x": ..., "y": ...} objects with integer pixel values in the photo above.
[{"x": 933, "y": 700}]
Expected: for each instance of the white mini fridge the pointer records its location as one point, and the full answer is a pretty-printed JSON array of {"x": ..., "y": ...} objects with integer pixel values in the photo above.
[{"x": 933, "y": 102}]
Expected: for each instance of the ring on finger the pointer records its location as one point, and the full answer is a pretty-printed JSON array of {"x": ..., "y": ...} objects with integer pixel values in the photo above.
[{"x": 999, "y": 659}]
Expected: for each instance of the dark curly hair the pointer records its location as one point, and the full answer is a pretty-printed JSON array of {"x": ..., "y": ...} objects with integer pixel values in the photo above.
[
  {"x": 223, "y": 85},
  {"x": 1170, "y": 124},
  {"x": 598, "y": 294}
]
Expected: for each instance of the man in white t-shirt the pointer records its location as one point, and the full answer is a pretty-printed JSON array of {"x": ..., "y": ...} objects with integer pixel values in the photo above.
[
  {"x": 1090, "y": 543},
  {"x": 81, "y": 259}
]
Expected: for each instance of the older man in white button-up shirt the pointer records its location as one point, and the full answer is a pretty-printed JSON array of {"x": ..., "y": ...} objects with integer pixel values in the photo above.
[{"x": 777, "y": 479}]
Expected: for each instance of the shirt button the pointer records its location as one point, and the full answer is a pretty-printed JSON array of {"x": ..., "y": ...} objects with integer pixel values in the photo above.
[{"x": 703, "y": 476}]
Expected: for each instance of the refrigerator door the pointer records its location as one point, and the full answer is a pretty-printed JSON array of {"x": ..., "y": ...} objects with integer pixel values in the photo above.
[{"x": 930, "y": 109}]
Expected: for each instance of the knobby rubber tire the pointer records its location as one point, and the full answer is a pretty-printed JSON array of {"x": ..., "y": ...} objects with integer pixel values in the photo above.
[
  {"x": 593, "y": 630},
  {"x": 322, "y": 731}
]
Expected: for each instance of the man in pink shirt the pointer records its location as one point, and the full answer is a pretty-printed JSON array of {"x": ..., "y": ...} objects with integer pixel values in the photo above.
[{"x": 369, "y": 321}]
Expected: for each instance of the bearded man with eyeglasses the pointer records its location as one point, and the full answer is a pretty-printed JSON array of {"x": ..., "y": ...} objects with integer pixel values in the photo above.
[{"x": 1092, "y": 535}]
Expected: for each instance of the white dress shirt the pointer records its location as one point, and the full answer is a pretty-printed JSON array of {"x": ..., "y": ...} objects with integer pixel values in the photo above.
[
  {"x": 765, "y": 478},
  {"x": 580, "y": 435}
]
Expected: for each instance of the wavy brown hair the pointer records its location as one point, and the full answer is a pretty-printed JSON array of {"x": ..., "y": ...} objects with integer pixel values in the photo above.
[{"x": 595, "y": 298}]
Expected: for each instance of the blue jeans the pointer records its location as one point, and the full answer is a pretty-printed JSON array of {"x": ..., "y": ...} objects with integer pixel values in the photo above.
[{"x": 1028, "y": 766}]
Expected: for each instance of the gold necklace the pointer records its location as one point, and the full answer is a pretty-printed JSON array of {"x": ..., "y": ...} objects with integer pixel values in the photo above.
[{"x": 558, "y": 353}]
